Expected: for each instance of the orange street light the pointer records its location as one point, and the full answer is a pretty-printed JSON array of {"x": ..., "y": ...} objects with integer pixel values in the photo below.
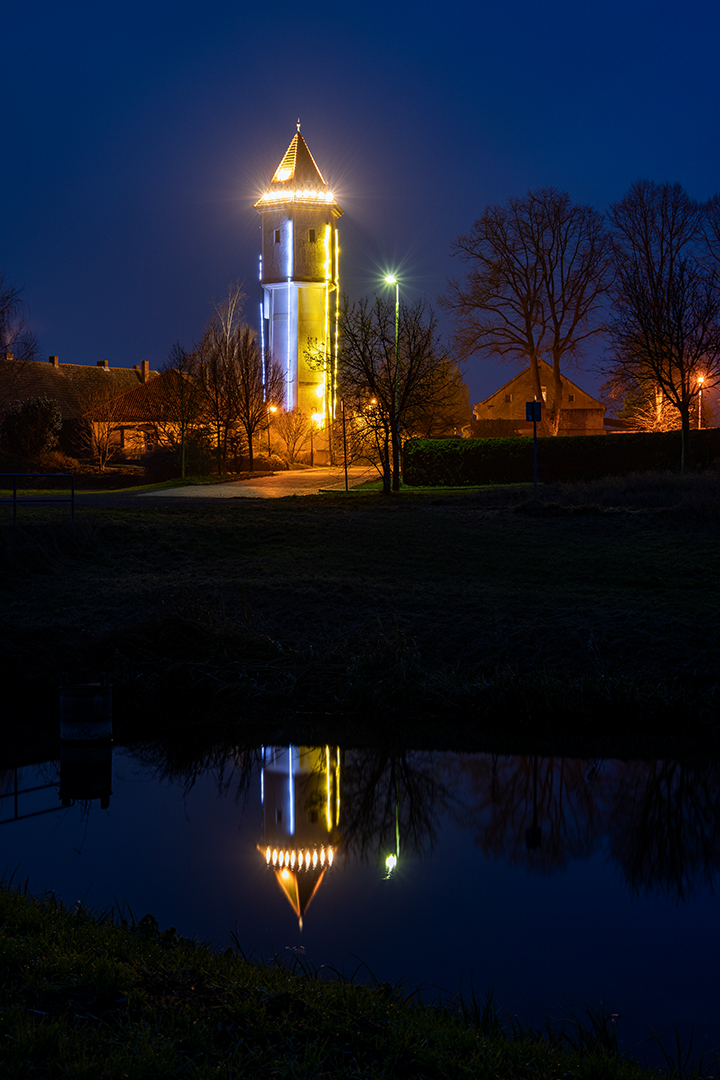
[{"x": 701, "y": 380}]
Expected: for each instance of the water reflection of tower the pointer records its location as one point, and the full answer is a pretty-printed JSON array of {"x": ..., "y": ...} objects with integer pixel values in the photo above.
[{"x": 300, "y": 793}]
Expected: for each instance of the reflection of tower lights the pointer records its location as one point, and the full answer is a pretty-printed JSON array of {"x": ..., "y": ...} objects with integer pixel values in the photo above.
[{"x": 303, "y": 858}]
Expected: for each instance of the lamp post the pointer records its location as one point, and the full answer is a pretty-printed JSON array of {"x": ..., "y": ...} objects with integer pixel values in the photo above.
[
  {"x": 701, "y": 380},
  {"x": 271, "y": 409},
  {"x": 392, "y": 280},
  {"x": 315, "y": 418}
]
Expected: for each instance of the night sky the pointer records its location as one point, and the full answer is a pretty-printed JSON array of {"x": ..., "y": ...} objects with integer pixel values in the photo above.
[{"x": 138, "y": 135}]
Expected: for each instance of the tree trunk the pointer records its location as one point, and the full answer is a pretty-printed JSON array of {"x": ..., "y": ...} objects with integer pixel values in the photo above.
[
  {"x": 537, "y": 389},
  {"x": 250, "y": 451},
  {"x": 557, "y": 397},
  {"x": 396, "y": 460},
  {"x": 386, "y": 464},
  {"x": 218, "y": 430}
]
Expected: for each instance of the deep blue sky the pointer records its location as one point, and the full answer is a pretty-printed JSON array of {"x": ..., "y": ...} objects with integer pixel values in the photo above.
[{"x": 138, "y": 135}]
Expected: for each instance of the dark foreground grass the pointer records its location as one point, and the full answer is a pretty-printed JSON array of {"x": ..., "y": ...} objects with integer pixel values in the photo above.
[
  {"x": 591, "y": 616},
  {"x": 104, "y": 998}
]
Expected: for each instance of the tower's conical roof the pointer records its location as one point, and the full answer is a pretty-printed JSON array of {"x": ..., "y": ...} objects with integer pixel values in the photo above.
[
  {"x": 298, "y": 169},
  {"x": 297, "y": 179}
]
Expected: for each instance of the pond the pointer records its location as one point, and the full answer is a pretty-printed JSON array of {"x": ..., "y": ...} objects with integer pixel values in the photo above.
[{"x": 555, "y": 883}]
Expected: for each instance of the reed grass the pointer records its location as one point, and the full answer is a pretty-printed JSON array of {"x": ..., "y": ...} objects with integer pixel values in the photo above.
[{"x": 103, "y": 996}]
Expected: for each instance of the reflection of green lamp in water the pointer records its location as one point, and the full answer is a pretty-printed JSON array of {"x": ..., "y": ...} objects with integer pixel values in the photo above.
[{"x": 392, "y": 859}]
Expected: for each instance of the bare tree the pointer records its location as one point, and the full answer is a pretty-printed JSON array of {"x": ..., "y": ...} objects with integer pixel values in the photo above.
[
  {"x": 184, "y": 397},
  {"x": 538, "y": 269},
  {"x": 18, "y": 344},
  {"x": 99, "y": 433},
  {"x": 293, "y": 427},
  {"x": 239, "y": 384},
  {"x": 215, "y": 363},
  {"x": 389, "y": 382},
  {"x": 254, "y": 385},
  {"x": 646, "y": 409},
  {"x": 666, "y": 316},
  {"x": 15, "y": 334}
]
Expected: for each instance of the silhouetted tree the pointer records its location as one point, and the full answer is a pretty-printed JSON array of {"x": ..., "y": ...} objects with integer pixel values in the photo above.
[
  {"x": 385, "y": 795},
  {"x": 238, "y": 386},
  {"x": 183, "y": 400},
  {"x": 665, "y": 326},
  {"x": 538, "y": 811},
  {"x": 15, "y": 334},
  {"x": 538, "y": 270},
  {"x": 388, "y": 390},
  {"x": 665, "y": 825}
]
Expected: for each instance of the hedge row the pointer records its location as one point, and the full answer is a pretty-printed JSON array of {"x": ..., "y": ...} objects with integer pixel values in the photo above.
[{"x": 456, "y": 462}]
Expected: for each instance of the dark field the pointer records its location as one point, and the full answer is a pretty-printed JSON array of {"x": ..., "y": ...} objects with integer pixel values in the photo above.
[{"x": 479, "y": 608}]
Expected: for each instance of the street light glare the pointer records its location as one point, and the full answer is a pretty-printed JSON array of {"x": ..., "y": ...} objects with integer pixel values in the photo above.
[{"x": 391, "y": 279}]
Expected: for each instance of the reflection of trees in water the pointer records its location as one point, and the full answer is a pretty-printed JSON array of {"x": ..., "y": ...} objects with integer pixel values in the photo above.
[
  {"x": 662, "y": 818},
  {"x": 379, "y": 789},
  {"x": 540, "y": 812},
  {"x": 665, "y": 825},
  {"x": 232, "y": 767}
]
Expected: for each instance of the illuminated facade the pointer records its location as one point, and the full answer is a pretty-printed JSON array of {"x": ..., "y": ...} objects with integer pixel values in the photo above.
[
  {"x": 299, "y": 276},
  {"x": 300, "y": 792}
]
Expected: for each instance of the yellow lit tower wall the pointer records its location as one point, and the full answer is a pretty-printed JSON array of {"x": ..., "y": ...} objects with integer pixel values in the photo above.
[{"x": 299, "y": 276}]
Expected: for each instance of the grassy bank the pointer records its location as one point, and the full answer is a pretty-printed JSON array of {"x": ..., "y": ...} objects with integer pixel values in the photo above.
[
  {"x": 590, "y": 617},
  {"x": 106, "y": 997}
]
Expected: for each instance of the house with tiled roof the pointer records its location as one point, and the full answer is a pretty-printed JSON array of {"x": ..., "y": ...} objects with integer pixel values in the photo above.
[
  {"x": 77, "y": 388},
  {"x": 503, "y": 413},
  {"x": 142, "y": 415},
  {"x": 71, "y": 385}
]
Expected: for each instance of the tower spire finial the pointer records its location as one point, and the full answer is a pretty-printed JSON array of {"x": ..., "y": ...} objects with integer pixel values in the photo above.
[{"x": 298, "y": 125}]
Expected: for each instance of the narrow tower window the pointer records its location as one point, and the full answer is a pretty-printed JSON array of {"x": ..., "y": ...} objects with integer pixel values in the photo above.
[
  {"x": 311, "y": 236},
  {"x": 277, "y": 236}
]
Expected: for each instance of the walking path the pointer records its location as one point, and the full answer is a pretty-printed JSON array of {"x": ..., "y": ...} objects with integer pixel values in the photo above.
[{"x": 291, "y": 482}]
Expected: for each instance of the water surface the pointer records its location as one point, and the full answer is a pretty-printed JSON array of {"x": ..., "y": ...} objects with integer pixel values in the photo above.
[{"x": 554, "y": 882}]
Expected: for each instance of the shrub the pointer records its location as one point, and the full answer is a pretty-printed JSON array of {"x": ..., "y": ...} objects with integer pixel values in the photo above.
[
  {"x": 459, "y": 462},
  {"x": 31, "y": 428}
]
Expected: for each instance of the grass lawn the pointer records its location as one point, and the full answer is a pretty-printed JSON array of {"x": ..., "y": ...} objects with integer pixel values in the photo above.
[
  {"x": 474, "y": 606},
  {"x": 107, "y": 998}
]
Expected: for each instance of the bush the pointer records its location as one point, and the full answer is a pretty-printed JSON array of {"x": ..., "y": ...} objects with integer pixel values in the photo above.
[
  {"x": 459, "y": 462},
  {"x": 164, "y": 462},
  {"x": 31, "y": 428}
]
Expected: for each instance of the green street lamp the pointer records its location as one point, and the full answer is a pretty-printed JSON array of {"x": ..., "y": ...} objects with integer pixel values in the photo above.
[{"x": 392, "y": 280}]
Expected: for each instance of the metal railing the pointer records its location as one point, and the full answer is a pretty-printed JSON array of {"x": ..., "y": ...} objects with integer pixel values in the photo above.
[
  {"x": 15, "y": 794},
  {"x": 37, "y": 476}
]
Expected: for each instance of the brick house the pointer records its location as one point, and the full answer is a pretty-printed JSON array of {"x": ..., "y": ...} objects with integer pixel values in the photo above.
[{"x": 503, "y": 413}]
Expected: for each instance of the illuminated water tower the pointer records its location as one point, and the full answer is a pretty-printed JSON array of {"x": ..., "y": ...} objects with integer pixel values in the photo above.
[
  {"x": 300, "y": 792},
  {"x": 299, "y": 276}
]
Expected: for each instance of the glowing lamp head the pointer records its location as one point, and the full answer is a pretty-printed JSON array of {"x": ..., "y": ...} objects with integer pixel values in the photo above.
[
  {"x": 701, "y": 379},
  {"x": 391, "y": 279},
  {"x": 390, "y": 864},
  {"x": 272, "y": 408},
  {"x": 318, "y": 417}
]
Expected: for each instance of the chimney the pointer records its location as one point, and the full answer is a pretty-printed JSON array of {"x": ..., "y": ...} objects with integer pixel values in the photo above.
[
  {"x": 105, "y": 364},
  {"x": 145, "y": 364},
  {"x": 54, "y": 360}
]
